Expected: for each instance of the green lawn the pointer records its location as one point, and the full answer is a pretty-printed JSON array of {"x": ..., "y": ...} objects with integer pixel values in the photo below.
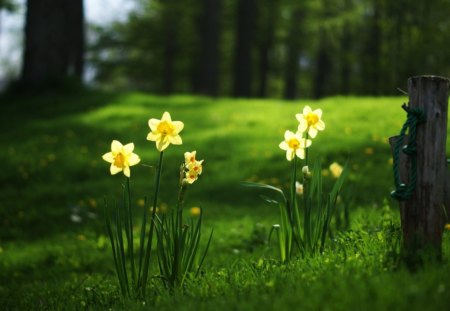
[{"x": 54, "y": 252}]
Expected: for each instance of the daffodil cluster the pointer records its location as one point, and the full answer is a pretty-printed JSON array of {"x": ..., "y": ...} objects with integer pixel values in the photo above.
[
  {"x": 310, "y": 123},
  {"x": 177, "y": 246},
  {"x": 192, "y": 167}
]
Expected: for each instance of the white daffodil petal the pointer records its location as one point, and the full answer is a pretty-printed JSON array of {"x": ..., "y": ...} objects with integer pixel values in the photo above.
[
  {"x": 283, "y": 145},
  {"x": 133, "y": 159},
  {"x": 128, "y": 148},
  {"x": 166, "y": 117},
  {"x": 178, "y": 126},
  {"x": 176, "y": 140},
  {"x": 312, "y": 132},
  {"x": 306, "y": 110},
  {"x": 162, "y": 144},
  {"x": 318, "y": 112},
  {"x": 320, "y": 125},
  {"x": 153, "y": 137},
  {"x": 289, "y": 155},
  {"x": 153, "y": 124},
  {"x": 300, "y": 153},
  {"x": 108, "y": 157},
  {"x": 114, "y": 169},
  {"x": 302, "y": 126},
  {"x": 116, "y": 146},
  {"x": 126, "y": 171}
]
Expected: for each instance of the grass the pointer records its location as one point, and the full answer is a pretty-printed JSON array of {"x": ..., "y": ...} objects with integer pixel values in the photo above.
[{"x": 53, "y": 174}]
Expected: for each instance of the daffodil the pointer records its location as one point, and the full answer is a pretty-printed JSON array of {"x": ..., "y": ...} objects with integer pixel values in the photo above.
[
  {"x": 298, "y": 188},
  {"x": 294, "y": 145},
  {"x": 336, "y": 169},
  {"x": 195, "y": 211},
  {"x": 310, "y": 121},
  {"x": 189, "y": 157},
  {"x": 194, "y": 169},
  {"x": 165, "y": 131},
  {"x": 121, "y": 158}
]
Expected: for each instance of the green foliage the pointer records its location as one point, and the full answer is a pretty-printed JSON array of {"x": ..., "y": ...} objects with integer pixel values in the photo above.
[
  {"x": 8, "y": 5},
  {"x": 179, "y": 242},
  {"x": 329, "y": 47},
  {"x": 52, "y": 171},
  {"x": 132, "y": 271}
]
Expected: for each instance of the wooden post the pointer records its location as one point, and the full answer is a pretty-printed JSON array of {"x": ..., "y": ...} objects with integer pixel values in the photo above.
[{"x": 422, "y": 215}]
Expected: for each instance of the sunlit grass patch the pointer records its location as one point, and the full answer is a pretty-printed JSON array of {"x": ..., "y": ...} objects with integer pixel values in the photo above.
[{"x": 54, "y": 249}]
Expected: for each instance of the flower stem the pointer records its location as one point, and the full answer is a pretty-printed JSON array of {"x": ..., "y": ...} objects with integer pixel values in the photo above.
[
  {"x": 306, "y": 203},
  {"x": 152, "y": 225},
  {"x": 177, "y": 254},
  {"x": 130, "y": 228}
]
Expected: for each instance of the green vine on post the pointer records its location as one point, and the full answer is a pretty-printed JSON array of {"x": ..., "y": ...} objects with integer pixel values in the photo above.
[{"x": 414, "y": 117}]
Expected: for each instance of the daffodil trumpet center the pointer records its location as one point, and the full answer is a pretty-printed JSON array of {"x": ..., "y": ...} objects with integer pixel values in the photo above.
[
  {"x": 119, "y": 160},
  {"x": 293, "y": 143},
  {"x": 312, "y": 119},
  {"x": 165, "y": 128}
]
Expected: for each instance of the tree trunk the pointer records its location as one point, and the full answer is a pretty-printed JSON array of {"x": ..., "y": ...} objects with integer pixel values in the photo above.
[
  {"x": 323, "y": 67},
  {"x": 346, "y": 41},
  {"x": 243, "y": 50},
  {"x": 422, "y": 215},
  {"x": 372, "y": 53},
  {"x": 170, "y": 20},
  {"x": 267, "y": 32},
  {"x": 293, "y": 57},
  {"x": 54, "y": 41},
  {"x": 207, "y": 72}
]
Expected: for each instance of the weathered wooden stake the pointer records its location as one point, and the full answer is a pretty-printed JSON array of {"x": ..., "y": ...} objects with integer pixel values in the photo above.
[{"x": 422, "y": 215}]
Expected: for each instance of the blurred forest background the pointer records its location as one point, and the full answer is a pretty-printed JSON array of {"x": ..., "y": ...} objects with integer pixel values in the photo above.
[{"x": 238, "y": 48}]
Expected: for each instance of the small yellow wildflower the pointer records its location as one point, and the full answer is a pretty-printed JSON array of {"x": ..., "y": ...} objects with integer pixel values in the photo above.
[
  {"x": 294, "y": 145},
  {"x": 195, "y": 211},
  {"x": 336, "y": 169},
  {"x": 447, "y": 226},
  {"x": 121, "y": 158},
  {"x": 310, "y": 121},
  {"x": 368, "y": 151},
  {"x": 165, "y": 131}
]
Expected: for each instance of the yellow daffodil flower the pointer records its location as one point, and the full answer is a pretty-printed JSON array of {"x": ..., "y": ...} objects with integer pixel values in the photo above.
[
  {"x": 189, "y": 157},
  {"x": 193, "y": 170},
  {"x": 336, "y": 170},
  {"x": 195, "y": 211},
  {"x": 294, "y": 144},
  {"x": 310, "y": 121},
  {"x": 165, "y": 131},
  {"x": 121, "y": 158}
]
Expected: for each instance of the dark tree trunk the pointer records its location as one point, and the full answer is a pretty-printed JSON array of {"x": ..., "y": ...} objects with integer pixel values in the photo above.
[
  {"x": 54, "y": 41},
  {"x": 207, "y": 71},
  {"x": 266, "y": 45},
  {"x": 75, "y": 31},
  {"x": 346, "y": 41},
  {"x": 244, "y": 42},
  {"x": 170, "y": 47},
  {"x": 372, "y": 53},
  {"x": 323, "y": 68},
  {"x": 293, "y": 57}
]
